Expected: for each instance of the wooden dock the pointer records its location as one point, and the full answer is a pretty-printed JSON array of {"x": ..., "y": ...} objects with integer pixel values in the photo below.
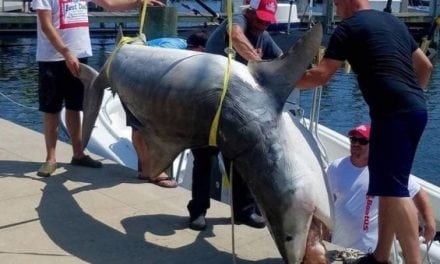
[
  {"x": 84, "y": 215},
  {"x": 108, "y": 22},
  {"x": 95, "y": 17},
  {"x": 11, "y": 20}
]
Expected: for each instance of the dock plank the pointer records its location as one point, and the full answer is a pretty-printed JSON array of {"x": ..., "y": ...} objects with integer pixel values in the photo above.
[
  {"x": 94, "y": 17},
  {"x": 106, "y": 215},
  {"x": 128, "y": 17}
]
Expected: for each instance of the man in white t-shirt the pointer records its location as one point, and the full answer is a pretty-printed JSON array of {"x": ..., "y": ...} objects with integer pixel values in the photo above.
[
  {"x": 356, "y": 214},
  {"x": 63, "y": 41}
]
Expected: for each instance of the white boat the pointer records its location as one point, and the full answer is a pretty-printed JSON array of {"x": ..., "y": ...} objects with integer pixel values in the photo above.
[
  {"x": 111, "y": 139},
  {"x": 421, "y": 9}
]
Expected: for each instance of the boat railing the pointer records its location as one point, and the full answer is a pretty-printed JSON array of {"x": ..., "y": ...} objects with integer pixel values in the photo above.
[
  {"x": 314, "y": 122},
  {"x": 289, "y": 19},
  {"x": 315, "y": 108},
  {"x": 104, "y": 114},
  {"x": 3, "y": 4}
]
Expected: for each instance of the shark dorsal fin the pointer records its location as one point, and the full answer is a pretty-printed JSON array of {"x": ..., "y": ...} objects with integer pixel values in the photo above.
[
  {"x": 119, "y": 36},
  {"x": 278, "y": 76}
]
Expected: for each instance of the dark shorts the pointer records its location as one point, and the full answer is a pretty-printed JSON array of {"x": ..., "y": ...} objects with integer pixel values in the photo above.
[
  {"x": 393, "y": 144},
  {"x": 57, "y": 85},
  {"x": 132, "y": 121}
]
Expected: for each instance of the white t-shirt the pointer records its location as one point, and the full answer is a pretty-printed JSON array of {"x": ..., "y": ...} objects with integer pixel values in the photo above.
[
  {"x": 70, "y": 18},
  {"x": 356, "y": 225}
]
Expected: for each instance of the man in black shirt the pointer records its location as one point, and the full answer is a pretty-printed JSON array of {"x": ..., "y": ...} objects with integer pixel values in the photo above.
[{"x": 391, "y": 71}]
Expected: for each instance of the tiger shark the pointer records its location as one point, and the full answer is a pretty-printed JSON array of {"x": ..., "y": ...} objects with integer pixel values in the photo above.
[{"x": 175, "y": 94}]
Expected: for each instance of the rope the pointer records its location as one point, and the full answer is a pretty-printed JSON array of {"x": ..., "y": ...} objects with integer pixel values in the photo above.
[
  {"x": 15, "y": 102},
  {"x": 234, "y": 257},
  {"x": 122, "y": 42},
  {"x": 216, "y": 119},
  {"x": 214, "y": 126},
  {"x": 143, "y": 15},
  {"x": 126, "y": 40},
  {"x": 427, "y": 257}
]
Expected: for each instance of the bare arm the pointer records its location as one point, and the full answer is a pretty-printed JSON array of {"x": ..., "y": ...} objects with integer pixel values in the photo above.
[
  {"x": 423, "y": 205},
  {"x": 51, "y": 33},
  {"x": 122, "y": 5},
  {"x": 242, "y": 44},
  {"x": 319, "y": 75},
  {"x": 422, "y": 66}
]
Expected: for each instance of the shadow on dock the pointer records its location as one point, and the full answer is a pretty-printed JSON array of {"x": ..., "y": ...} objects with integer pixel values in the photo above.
[{"x": 139, "y": 238}]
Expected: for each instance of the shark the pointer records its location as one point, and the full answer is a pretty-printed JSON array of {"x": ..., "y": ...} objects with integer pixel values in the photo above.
[{"x": 175, "y": 95}]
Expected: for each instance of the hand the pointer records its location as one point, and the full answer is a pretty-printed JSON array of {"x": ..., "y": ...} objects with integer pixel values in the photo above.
[
  {"x": 428, "y": 232},
  {"x": 151, "y": 2},
  {"x": 259, "y": 51},
  {"x": 72, "y": 63}
]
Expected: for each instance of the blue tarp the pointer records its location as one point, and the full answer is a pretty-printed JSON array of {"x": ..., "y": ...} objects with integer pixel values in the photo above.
[{"x": 173, "y": 43}]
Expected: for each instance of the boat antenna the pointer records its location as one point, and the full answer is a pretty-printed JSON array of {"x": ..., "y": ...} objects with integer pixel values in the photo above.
[
  {"x": 212, "y": 12},
  {"x": 387, "y": 8},
  {"x": 309, "y": 11},
  {"x": 195, "y": 11},
  {"x": 434, "y": 25},
  {"x": 290, "y": 15}
]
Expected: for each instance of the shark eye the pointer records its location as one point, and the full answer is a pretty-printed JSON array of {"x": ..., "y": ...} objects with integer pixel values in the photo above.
[{"x": 289, "y": 238}]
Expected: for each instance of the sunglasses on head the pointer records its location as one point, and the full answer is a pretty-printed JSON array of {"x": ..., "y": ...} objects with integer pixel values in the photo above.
[{"x": 361, "y": 141}]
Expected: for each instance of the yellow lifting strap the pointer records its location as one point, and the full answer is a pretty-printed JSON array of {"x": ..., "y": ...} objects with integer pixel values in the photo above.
[
  {"x": 122, "y": 42},
  {"x": 214, "y": 126},
  {"x": 215, "y": 122},
  {"x": 143, "y": 15},
  {"x": 126, "y": 40}
]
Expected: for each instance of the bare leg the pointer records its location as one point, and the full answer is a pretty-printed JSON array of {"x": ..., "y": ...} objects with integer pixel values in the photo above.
[
  {"x": 398, "y": 216},
  {"x": 51, "y": 135},
  {"x": 73, "y": 123},
  {"x": 142, "y": 153}
]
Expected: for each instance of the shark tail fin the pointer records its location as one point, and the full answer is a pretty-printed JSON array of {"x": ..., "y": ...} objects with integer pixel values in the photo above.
[
  {"x": 280, "y": 75},
  {"x": 94, "y": 85}
]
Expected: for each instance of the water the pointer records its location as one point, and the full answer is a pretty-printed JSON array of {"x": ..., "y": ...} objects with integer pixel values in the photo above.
[
  {"x": 342, "y": 106},
  {"x": 19, "y": 78}
]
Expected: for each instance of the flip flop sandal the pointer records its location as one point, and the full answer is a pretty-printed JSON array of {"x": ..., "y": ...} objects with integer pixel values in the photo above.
[
  {"x": 162, "y": 181},
  {"x": 86, "y": 161},
  {"x": 46, "y": 169},
  {"x": 166, "y": 183}
]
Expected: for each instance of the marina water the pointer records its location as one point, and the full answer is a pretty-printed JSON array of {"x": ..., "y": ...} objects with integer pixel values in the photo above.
[{"x": 342, "y": 106}]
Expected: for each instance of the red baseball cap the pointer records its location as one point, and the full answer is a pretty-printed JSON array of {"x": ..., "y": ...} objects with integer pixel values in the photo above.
[
  {"x": 265, "y": 9},
  {"x": 361, "y": 130}
]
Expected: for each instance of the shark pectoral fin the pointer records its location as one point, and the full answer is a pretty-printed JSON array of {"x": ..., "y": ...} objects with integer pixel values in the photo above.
[
  {"x": 279, "y": 75},
  {"x": 93, "y": 94},
  {"x": 161, "y": 155},
  {"x": 324, "y": 212}
]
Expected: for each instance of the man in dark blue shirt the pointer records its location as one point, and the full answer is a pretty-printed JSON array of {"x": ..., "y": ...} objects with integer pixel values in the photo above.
[{"x": 391, "y": 71}]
